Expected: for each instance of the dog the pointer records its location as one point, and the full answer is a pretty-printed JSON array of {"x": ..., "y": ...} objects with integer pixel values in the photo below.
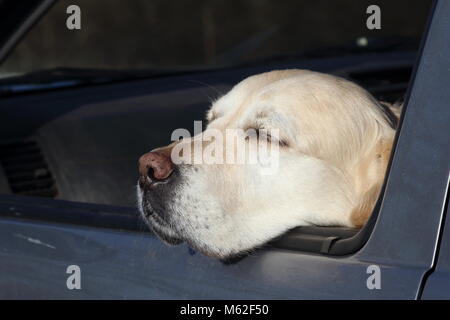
[{"x": 334, "y": 141}]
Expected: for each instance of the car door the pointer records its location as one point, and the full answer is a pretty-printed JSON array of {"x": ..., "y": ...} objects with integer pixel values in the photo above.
[
  {"x": 437, "y": 280},
  {"x": 397, "y": 249}
]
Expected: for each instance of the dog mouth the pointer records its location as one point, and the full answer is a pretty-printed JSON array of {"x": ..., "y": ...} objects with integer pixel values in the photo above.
[
  {"x": 155, "y": 217},
  {"x": 157, "y": 224},
  {"x": 158, "y": 209},
  {"x": 163, "y": 231}
]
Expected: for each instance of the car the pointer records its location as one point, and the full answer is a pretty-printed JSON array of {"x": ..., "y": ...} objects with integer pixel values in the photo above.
[{"x": 78, "y": 134}]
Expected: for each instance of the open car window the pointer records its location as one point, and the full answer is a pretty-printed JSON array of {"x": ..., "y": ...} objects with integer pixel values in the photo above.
[{"x": 72, "y": 157}]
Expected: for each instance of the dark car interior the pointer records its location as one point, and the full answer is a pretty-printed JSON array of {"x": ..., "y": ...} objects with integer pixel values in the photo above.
[
  {"x": 71, "y": 136},
  {"x": 81, "y": 145},
  {"x": 87, "y": 87}
]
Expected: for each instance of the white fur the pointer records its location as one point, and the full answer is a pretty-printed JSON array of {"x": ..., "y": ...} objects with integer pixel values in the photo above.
[{"x": 331, "y": 127}]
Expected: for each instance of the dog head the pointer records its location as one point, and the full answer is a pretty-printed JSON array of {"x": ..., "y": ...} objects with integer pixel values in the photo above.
[{"x": 325, "y": 131}]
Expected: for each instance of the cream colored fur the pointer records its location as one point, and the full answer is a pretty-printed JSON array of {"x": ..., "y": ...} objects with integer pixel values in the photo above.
[{"x": 336, "y": 142}]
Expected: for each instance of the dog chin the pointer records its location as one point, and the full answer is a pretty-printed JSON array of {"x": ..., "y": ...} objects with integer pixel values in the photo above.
[
  {"x": 149, "y": 206},
  {"x": 161, "y": 230},
  {"x": 158, "y": 226}
]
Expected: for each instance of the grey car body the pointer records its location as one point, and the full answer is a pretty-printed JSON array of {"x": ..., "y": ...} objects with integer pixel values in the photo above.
[{"x": 408, "y": 237}]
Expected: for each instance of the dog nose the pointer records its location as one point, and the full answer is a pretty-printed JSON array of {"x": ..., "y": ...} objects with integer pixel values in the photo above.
[{"x": 156, "y": 166}]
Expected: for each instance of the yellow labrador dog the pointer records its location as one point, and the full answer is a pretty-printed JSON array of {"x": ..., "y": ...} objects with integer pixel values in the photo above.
[{"x": 333, "y": 140}]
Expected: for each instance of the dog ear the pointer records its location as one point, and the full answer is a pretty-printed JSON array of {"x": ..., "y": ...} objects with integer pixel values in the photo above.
[
  {"x": 392, "y": 112},
  {"x": 362, "y": 212}
]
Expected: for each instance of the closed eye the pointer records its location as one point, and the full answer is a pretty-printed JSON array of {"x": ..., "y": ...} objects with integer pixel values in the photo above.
[{"x": 258, "y": 134}]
